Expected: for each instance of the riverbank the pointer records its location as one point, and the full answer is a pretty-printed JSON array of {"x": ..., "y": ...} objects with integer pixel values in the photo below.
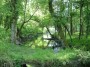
[{"x": 15, "y": 56}]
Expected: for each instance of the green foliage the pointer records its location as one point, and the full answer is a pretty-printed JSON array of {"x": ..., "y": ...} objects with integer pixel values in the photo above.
[
  {"x": 6, "y": 9},
  {"x": 81, "y": 44},
  {"x": 47, "y": 21},
  {"x": 40, "y": 19},
  {"x": 20, "y": 7},
  {"x": 45, "y": 57},
  {"x": 41, "y": 3}
]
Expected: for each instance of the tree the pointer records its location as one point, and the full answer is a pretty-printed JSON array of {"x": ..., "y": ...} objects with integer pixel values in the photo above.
[
  {"x": 14, "y": 18},
  {"x": 57, "y": 18},
  {"x": 81, "y": 17},
  {"x": 87, "y": 19}
]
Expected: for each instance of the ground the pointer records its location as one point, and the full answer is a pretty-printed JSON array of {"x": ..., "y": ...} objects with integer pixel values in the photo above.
[{"x": 16, "y": 55}]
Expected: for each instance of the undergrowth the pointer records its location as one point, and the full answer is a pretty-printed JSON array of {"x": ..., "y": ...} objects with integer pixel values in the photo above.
[{"x": 47, "y": 57}]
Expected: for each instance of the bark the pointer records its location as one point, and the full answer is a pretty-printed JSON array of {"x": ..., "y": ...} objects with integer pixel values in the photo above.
[
  {"x": 88, "y": 24},
  {"x": 65, "y": 32},
  {"x": 71, "y": 25},
  {"x": 81, "y": 22},
  {"x": 51, "y": 8},
  {"x": 14, "y": 22},
  {"x": 13, "y": 32},
  {"x": 70, "y": 16},
  {"x": 61, "y": 33}
]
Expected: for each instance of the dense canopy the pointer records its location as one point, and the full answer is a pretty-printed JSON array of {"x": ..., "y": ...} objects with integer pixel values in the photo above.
[{"x": 45, "y": 24}]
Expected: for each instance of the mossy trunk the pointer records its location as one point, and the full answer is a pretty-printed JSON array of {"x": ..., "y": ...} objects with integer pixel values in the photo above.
[{"x": 14, "y": 21}]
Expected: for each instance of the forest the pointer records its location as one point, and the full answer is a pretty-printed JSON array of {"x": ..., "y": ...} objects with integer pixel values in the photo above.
[{"x": 44, "y": 33}]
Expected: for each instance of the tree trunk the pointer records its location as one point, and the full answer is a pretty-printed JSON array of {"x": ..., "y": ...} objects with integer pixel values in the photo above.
[
  {"x": 71, "y": 25},
  {"x": 88, "y": 24},
  {"x": 13, "y": 32},
  {"x": 70, "y": 15},
  {"x": 14, "y": 21},
  {"x": 65, "y": 32},
  {"x": 81, "y": 22}
]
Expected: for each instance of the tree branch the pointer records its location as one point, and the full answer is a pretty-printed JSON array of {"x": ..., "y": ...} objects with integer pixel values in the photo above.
[{"x": 28, "y": 19}]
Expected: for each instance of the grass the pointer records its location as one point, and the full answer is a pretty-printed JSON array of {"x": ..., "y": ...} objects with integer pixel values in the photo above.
[
  {"x": 15, "y": 52},
  {"x": 11, "y": 52}
]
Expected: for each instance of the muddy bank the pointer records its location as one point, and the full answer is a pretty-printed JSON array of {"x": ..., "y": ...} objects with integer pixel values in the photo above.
[{"x": 45, "y": 63}]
